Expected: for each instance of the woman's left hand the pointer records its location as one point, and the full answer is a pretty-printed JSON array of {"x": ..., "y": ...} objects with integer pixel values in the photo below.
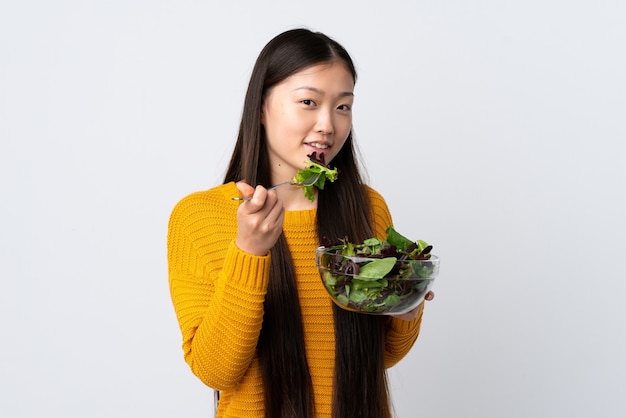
[{"x": 409, "y": 316}]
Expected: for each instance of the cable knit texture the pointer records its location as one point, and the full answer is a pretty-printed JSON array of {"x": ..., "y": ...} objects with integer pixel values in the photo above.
[{"x": 218, "y": 293}]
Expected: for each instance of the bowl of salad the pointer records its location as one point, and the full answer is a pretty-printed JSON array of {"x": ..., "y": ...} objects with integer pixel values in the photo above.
[{"x": 389, "y": 277}]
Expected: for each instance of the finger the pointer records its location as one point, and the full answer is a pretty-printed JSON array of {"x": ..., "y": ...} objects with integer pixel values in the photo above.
[
  {"x": 276, "y": 212},
  {"x": 245, "y": 189},
  {"x": 262, "y": 213},
  {"x": 257, "y": 202},
  {"x": 270, "y": 210}
]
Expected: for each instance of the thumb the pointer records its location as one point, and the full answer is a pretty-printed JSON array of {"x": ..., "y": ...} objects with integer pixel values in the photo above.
[{"x": 245, "y": 189}]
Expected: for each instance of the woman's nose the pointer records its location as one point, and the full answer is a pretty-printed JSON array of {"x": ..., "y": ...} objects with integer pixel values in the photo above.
[{"x": 324, "y": 123}]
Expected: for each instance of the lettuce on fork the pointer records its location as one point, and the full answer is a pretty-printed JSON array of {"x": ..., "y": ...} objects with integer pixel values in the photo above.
[{"x": 316, "y": 173}]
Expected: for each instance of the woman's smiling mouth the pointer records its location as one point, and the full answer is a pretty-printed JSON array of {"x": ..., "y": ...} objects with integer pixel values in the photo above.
[{"x": 318, "y": 145}]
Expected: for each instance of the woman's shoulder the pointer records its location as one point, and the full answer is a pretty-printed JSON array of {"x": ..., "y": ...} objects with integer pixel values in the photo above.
[
  {"x": 376, "y": 198},
  {"x": 372, "y": 192},
  {"x": 215, "y": 200},
  {"x": 380, "y": 212}
]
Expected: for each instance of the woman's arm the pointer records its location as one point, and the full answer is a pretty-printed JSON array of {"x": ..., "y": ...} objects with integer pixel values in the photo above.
[
  {"x": 217, "y": 290},
  {"x": 402, "y": 332}
]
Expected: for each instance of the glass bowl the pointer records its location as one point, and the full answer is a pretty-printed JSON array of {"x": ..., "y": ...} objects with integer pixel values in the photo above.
[{"x": 381, "y": 286}]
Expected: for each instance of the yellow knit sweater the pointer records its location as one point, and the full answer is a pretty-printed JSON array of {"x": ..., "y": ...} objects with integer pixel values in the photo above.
[{"x": 218, "y": 293}]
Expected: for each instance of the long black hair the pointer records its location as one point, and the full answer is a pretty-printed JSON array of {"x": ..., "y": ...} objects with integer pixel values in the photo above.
[{"x": 360, "y": 386}]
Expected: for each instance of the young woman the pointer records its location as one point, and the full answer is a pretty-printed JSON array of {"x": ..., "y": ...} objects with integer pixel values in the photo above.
[{"x": 256, "y": 322}]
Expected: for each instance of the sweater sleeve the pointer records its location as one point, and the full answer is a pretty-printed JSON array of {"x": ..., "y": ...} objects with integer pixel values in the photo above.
[
  {"x": 401, "y": 334},
  {"x": 217, "y": 291}
]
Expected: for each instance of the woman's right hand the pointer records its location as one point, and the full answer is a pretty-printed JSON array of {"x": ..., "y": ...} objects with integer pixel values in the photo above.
[{"x": 259, "y": 220}]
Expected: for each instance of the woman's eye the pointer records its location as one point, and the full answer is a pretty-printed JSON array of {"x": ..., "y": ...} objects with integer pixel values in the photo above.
[
  {"x": 308, "y": 102},
  {"x": 344, "y": 107}
]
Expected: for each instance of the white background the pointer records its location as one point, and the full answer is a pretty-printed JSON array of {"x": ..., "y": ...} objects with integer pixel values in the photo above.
[{"x": 495, "y": 130}]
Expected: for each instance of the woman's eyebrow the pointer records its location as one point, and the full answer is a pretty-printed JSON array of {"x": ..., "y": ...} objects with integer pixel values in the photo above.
[{"x": 321, "y": 92}]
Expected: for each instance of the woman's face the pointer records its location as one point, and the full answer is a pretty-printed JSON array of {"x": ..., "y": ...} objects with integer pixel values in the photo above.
[{"x": 310, "y": 111}]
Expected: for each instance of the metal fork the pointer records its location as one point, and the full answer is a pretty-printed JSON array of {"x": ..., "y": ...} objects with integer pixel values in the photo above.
[{"x": 309, "y": 181}]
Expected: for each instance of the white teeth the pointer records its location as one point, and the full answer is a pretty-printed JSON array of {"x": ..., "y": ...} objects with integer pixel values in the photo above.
[{"x": 320, "y": 146}]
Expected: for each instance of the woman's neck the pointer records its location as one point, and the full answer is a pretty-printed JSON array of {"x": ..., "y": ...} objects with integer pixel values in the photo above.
[{"x": 293, "y": 198}]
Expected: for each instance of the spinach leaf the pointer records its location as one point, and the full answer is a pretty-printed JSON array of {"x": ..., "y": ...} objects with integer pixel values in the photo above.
[
  {"x": 395, "y": 238},
  {"x": 377, "y": 268}
]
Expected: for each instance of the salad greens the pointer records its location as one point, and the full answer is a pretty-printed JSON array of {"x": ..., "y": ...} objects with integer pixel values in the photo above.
[
  {"x": 315, "y": 175},
  {"x": 378, "y": 276}
]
